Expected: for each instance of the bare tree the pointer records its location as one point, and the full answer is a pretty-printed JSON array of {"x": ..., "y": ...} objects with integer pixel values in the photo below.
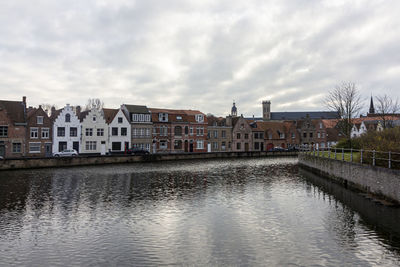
[
  {"x": 346, "y": 100},
  {"x": 94, "y": 103},
  {"x": 386, "y": 106},
  {"x": 47, "y": 108}
]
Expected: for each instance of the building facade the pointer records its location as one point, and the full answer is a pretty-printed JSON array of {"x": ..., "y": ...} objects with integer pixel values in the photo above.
[
  {"x": 141, "y": 126},
  {"x": 12, "y": 128},
  {"x": 94, "y": 132},
  {"x": 40, "y": 133},
  {"x": 119, "y": 130},
  {"x": 242, "y": 135},
  {"x": 219, "y": 134},
  {"x": 66, "y": 129}
]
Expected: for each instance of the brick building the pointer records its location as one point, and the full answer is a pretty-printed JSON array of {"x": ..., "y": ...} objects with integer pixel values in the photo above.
[
  {"x": 177, "y": 131},
  {"x": 39, "y": 133},
  {"x": 219, "y": 133},
  {"x": 12, "y": 128}
]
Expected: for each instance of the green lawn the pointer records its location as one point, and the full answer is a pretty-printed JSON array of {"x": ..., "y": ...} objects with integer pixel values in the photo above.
[{"x": 347, "y": 155}]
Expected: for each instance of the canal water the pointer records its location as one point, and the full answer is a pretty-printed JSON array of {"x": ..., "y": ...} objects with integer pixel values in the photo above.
[{"x": 241, "y": 212}]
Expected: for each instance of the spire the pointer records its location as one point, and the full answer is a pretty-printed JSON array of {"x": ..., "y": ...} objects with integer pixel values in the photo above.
[
  {"x": 371, "y": 107},
  {"x": 234, "y": 109}
]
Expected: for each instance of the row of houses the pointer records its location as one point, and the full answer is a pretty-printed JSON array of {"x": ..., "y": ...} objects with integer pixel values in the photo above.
[{"x": 29, "y": 132}]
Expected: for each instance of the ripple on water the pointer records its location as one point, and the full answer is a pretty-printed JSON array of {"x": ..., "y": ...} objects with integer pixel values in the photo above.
[{"x": 214, "y": 212}]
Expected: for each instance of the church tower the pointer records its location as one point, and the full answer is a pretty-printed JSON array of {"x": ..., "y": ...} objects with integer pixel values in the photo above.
[
  {"x": 371, "y": 107},
  {"x": 266, "y": 106},
  {"x": 234, "y": 110}
]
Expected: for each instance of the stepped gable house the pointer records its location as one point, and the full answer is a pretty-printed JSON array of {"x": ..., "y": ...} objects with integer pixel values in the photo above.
[
  {"x": 219, "y": 133},
  {"x": 94, "y": 138},
  {"x": 40, "y": 133},
  {"x": 66, "y": 129},
  {"x": 12, "y": 128},
  {"x": 141, "y": 126},
  {"x": 179, "y": 130}
]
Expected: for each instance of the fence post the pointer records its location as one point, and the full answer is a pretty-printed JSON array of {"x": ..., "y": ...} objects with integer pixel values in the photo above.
[
  {"x": 361, "y": 155},
  {"x": 342, "y": 154},
  {"x": 314, "y": 151},
  {"x": 329, "y": 153},
  {"x": 390, "y": 160},
  {"x": 318, "y": 151},
  {"x": 335, "y": 153},
  {"x": 351, "y": 155},
  {"x": 373, "y": 158}
]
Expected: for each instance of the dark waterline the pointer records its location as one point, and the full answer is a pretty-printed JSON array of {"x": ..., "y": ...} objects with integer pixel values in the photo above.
[{"x": 214, "y": 212}]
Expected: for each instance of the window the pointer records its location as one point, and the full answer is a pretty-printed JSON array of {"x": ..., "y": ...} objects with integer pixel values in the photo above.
[
  {"x": 67, "y": 117},
  {"x": 178, "y": 130},
  {"x": 323, "y": 134},
  {"x": 163, "y": 144},
  {"x": 215, "y": 134},
  {"x": 200, "y": 131},
  {"x": 124, "y": 131},
  {"x": 178, "y": 144},
  {"x": 163, "y": 117},
  {"x": 148, "y": 132},
  {"x": 319, "y": 135},
  {"x": 16, "y": 148},
  {"x": 200, "y": 118},
  {"x": 39, "y": 119},
  {"x": 73, "y": 132},
  {"x": 257, "y": 146},
  {"x": 281, "y": 135},
  {"x": 261, "y": 135},
  {"x": 94, "y": 118},
  {"x": 238, "y": 136},
  {"x": 119, "y": 119},
  {"x": 320, "y": 125},
  {"x": 223, "y": 145},
  {"x": 293, "y": 135},
  {"x": 34, "y": 133},
  {"x": 148, "y": 119},
  {"x": 255, "y": 135},
  {"x": 114, "y": 131},
  {"x": 223, "y": 134},
  {"x": 186, "y": 130},
  {"x": 34, "y": 147},
  {"x": 135, "y": 117},
  {"x": 3, "y": 131},
  {"x": 238, "y": 145},
  {"x": 61, "y": 131},
  {"x": 304, "y": 135},
  {"x": 311, "y": 135},
  {"x": 191, "y": 131},
  {"x": 116, "y": 146},
  {"x": 154, "y": 130},
  {"x": 148, "y": 147},
  {"x": 89, "y": 132},
  {"x": 163, "y": 131},
  {"x": 141, "y": 117},
  {"x": 215, "y": 145},
  {"x": 200, "y": 144},
  {"x": 100, "y": 132},
  {"x": 45, "y": 133},
  {"x": 179, "y": 117},
  {"x": 269, "y": 135},
  {"x": 246, "y": 136},
  {"x": 91, "y": 145}
]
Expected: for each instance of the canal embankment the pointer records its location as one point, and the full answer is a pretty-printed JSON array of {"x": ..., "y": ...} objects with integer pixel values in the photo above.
[
  {"x": 378, "y": 181},
  {"x": 54, "y": 162}
]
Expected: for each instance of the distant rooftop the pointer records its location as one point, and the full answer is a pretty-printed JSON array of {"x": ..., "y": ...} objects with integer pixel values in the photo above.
[{"x": 293, "y": 115}]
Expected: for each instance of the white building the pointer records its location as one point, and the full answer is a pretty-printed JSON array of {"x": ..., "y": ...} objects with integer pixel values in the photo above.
[
  {"x": 94, "y": 132},
  {"x": 66, "y": 130},
  {"x": 119, "y": 130}
]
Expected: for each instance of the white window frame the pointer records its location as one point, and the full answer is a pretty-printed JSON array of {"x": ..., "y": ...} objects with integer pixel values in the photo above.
[
  {"x": 45, "y": 133},
  {"x": 200, "y": 144},
  {"x": 163, "y": 144},
  {"x": 89, "y": 132},
  {"x": 34, "y": 145},
  {"x": 39, "y": 119},
  {"x": 91, "y": 145},
  {"x": 34, "y": 132},
  {"x": 14, "y": 146},
  {"x": 100, "y": 132}
]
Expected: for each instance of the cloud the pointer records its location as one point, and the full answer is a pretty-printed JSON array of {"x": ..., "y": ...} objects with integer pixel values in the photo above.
[{"x": 197, "y": 54}]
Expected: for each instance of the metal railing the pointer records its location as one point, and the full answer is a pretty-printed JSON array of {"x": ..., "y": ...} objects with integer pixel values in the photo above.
[{"x": 387, "y": 159}]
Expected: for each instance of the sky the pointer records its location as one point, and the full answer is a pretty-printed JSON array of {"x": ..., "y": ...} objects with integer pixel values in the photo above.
[{"x": 197, "y": 54}]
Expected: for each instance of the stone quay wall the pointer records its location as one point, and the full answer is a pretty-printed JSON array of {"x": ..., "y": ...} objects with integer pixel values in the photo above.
[
  {"x": 32, "y": 163},
  {"x": 378, "y": 181}
]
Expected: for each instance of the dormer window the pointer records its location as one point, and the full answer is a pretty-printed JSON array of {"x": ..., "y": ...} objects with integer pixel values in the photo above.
[
  {"x": 39, "y": 119},
  {"x": 94, "y": 118},
  {"x": 199, "y": 118},
  {"x": 179, "y": 117},
  {"x": 67, "y": 117},
  {"x": 163, "y": 117}
]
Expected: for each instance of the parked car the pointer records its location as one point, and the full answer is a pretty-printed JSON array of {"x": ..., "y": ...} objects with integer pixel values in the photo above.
[
  {"x": 1, "y": 158},
  {"x": 279, "y": 149},
  {"x": 66, "y": 153},
  {"x": 138, "y": 151}
]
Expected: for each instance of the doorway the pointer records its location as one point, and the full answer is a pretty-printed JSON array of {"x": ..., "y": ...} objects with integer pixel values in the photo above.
[{"x": 47, "y": 150}]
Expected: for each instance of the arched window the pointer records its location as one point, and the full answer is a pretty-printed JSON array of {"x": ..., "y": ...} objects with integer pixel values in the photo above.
[
  {"x": 178, "y": 131},
  {"x": 67, "y": 117}
]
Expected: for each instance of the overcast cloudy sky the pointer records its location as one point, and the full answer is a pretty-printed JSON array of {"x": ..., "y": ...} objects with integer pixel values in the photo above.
[{"x": 197, "y": 54}]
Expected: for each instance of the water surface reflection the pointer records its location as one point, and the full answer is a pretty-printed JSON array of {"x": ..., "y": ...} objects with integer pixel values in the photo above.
[{"x": 217, "y": 212}]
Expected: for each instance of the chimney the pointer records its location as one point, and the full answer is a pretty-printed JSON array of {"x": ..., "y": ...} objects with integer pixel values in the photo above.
[
  {"x": 24, "y": 100},
  {"x": 53, "y": 111},
  {"x": 40, "y": 106},
  {"x": 78, "y": 110}
]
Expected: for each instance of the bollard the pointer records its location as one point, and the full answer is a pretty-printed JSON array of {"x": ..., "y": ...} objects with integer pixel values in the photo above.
[
  {"x": 373, "y": 158},
  {"x": 390, "y": 160}
]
